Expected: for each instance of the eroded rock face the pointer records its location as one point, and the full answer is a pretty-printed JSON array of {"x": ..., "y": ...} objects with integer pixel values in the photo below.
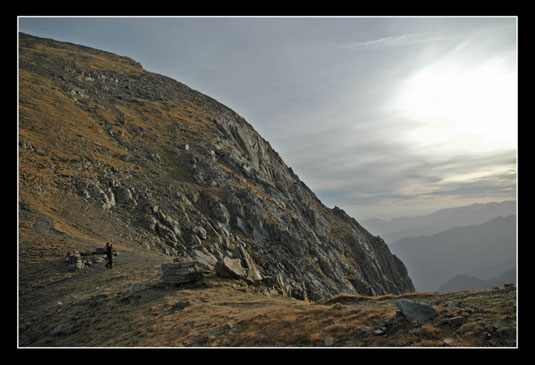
[{"x": 173, "y": 170}]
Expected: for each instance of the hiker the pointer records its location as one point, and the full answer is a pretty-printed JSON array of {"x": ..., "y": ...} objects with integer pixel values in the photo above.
[{"x": 109, "y": 254}]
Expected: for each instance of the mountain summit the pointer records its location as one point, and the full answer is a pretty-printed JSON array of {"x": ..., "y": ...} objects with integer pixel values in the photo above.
[{"x": 111, "y": 152}]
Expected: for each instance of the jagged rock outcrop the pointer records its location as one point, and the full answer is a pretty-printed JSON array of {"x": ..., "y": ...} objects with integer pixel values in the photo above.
[{"x": 163, "y": 167}]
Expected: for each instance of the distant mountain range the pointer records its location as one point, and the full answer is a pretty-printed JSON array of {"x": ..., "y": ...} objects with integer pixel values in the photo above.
[
  {"x": 439, "y": 221},
  {"x": 467, "y": 282},
  {"x": 485, "y": 250}
]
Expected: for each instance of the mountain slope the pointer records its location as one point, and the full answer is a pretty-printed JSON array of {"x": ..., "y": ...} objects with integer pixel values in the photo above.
[
  {"x": 467, "y": 282},
  {"x": 432, "y": 260},
  {"x": 111, "y": 152},
  {"x": 441, "y": 220}
]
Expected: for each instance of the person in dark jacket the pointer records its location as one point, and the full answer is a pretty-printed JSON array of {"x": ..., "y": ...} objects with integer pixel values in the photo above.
[{"x": 109, "y": 254}]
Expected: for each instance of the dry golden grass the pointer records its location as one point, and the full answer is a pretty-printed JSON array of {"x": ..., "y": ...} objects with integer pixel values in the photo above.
[{"x": 256, "y": 320}]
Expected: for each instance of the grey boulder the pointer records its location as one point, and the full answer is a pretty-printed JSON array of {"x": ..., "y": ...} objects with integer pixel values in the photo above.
[
  {"x": 419, "y": 312},
  {"x": 230, "y": 268}
]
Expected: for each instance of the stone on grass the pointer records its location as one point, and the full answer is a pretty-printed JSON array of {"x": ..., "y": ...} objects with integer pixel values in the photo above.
[{"x": 419, "y": 312}]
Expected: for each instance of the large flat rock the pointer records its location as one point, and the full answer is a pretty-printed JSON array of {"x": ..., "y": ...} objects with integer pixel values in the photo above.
[{"x": 413, "y": 311}]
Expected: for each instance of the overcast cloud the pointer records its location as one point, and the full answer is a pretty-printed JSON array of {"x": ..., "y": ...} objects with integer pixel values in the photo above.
[{"x": 382, "y": 117}]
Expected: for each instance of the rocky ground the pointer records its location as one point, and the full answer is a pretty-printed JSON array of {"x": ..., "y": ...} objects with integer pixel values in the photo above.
[{"x": 129, "y": 306}]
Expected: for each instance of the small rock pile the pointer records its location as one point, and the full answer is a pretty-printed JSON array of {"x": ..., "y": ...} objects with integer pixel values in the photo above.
[
  {"x": 181, "y": 272},
  {"x": 78, "y": 261}
]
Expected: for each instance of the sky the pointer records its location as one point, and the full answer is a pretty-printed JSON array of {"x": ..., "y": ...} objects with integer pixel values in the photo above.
[{"x": 381, "y": 116}]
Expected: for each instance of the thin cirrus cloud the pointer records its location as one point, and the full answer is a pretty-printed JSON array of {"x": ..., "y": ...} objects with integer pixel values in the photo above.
[{"x": 397, "y": 41}]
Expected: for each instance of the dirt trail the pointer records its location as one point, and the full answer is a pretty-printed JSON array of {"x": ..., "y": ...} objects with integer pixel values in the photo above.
[{"x": 46, "y": 279}]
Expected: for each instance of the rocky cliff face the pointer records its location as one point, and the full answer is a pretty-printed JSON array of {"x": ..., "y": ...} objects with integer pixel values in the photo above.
[{"x": 110, "y": 151}]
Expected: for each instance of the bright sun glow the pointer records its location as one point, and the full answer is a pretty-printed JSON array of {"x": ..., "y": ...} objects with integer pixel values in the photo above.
[{"x": 461, "y": 109}]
